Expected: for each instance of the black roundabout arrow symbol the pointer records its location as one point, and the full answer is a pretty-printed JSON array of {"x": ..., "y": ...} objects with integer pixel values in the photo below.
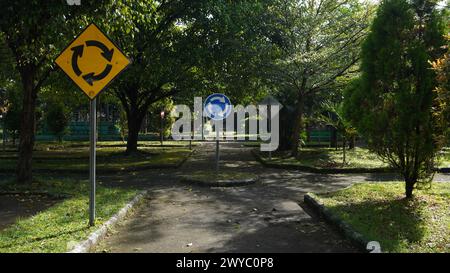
[
  {"x": 91, "y": 77},
  {"x": 107, "y": 53},
  {"x": 77, "y": 52}
]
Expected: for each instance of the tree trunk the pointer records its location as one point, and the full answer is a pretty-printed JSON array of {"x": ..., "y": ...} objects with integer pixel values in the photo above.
[
  {"x": 134, "y": 126},
  {"x": 27, "y": 127},
  {"x": 352, "y": 141},
  {"x": 344, "y": 144},
  {"x": 298, "y": 126},
  {"x": 132, "y": 140},
  {"x": 409, "y": 187},
  {"x": 285, "y": 128},
  {"x": 334, "y": 138}
]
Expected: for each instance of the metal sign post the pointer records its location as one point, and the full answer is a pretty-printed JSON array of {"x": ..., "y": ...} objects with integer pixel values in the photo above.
[
  {"x": 270, "y": 128},
  {"x": 92, "y": 81},
  {"x": 161, "y": 133},
  {"x": 92, "y": 163},
  {"x": 217, "y": 107},
  {"x": 217, "y": 148}
]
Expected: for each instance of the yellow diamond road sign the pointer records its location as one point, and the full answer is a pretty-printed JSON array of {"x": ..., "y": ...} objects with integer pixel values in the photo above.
[{"x": 92, "y": 61}]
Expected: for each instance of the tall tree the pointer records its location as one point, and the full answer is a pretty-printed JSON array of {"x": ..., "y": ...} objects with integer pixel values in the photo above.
[
  {"x": 35, "y": 31},
  {"x": 318, "y": 41},
  {"x": 179, "y": 48},
  {"x": 393, "y": 106},
  {"x": 153, "y": 35}
]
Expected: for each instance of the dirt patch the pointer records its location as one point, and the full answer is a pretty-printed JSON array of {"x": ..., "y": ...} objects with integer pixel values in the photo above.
[{"x": 15, "y": 206}]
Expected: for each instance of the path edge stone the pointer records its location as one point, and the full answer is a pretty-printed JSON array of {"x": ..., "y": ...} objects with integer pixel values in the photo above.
[
  {"x": 95, "y": 237},
  {"x": 344, "y": 228}
]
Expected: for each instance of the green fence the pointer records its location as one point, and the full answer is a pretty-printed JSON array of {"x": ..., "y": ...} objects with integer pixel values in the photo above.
[{"x": 80, "y": 131}]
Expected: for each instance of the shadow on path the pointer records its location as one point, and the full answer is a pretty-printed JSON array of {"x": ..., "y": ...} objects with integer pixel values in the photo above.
[{"x": 264, "y": 217}]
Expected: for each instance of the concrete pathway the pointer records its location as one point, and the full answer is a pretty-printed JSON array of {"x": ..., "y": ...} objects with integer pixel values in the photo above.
[{"x": 265, "y": 217}]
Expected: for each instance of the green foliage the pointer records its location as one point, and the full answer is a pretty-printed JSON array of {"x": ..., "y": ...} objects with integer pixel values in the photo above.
[
  {"x": 334, "y": 116},
  {"x": 35, "y": 32},
  {"x": 442, "y": 92},
  {"x": 57, "y": 119},
  {"x": 154, "y": 115},
  {"x": 8, "y": 73},
  {"x": 153, "y": 34},
  {"x": 392, "y": 103},
  {"x": 317, "y": 42},
  {"x": 12, "y": 115}
]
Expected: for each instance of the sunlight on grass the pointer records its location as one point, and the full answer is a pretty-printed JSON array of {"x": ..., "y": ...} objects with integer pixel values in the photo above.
[
  {"x": 67, "y": 221},
  {"x": 380, "y": 212},
  {"x": 330, "y": 158},
  {"x": 444, "y": 158},
  {"x": 109, "y": 158}
]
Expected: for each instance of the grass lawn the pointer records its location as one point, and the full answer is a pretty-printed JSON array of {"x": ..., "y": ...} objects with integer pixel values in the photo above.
[
  {"x": 380, "y": 212},
  {"x": 329, "y": 158},
  {"x": 77, "y": 144},
  {"x": 65, "y": 223},
  {"x": 54, "y": 145},
  {"x": 444, "y": 158},
  {"x": 108, "y": 158}
]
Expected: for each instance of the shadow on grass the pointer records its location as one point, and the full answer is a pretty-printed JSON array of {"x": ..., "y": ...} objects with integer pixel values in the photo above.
[
  {"x": 396, "y": 224},
  {"x": 317, "y": 157},
  {"x": 330, "y": 158}
]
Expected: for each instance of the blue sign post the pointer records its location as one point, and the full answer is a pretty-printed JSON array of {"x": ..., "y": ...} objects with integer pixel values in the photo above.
[{"x": 217, "y": 107}]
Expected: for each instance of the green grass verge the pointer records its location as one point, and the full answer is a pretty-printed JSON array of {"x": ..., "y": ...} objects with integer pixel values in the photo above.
[
  {"x": 76, "y": 144},
  {"x": 108, "y": 159},
  {"x": 66, "y": 222},
  {"x": 444, "y": 158},
  {"x": 329, "y": 158},
  {"x": 54, "y": 145},
  {"x": 380, "y": 212}
]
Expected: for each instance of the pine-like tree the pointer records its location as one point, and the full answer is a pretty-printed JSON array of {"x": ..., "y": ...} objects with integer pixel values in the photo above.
[
  {"x": 394, "y": 100},
  {"x": 57, "y": 118}
]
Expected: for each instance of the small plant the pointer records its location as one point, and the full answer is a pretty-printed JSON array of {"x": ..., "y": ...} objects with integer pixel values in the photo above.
[{"x": 57, "y": 119}]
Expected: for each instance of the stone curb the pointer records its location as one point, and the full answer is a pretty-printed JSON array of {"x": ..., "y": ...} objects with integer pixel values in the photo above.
[
  {"x": 355, "y": 237},
  {"x": 96, "y": 236}
]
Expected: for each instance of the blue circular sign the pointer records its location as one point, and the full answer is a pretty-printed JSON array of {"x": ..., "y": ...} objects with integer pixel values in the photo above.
[{"x": 217, "y": 106}]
